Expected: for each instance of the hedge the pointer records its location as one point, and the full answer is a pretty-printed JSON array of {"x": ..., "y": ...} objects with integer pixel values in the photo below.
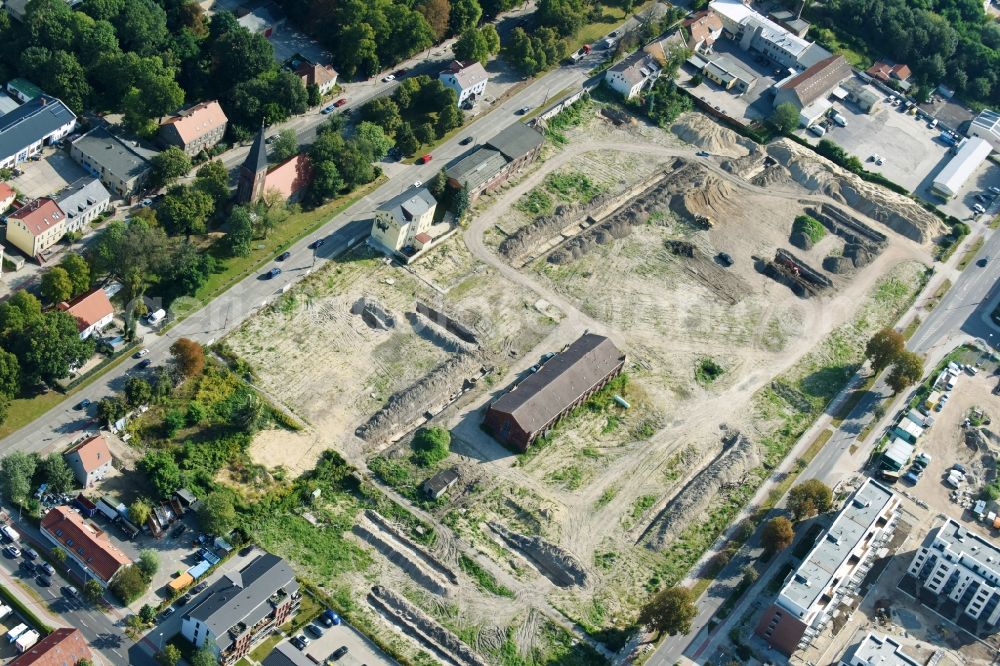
[{"x": 25, "y": 612}]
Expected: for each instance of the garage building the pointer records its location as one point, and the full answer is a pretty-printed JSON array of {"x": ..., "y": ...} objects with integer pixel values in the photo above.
[
  {"x": 965, "y": 163},
  {"x": 565, "y": 381}
]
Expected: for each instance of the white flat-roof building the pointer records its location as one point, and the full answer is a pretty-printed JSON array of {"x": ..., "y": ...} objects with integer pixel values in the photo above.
[
  {"x": 760, "y": 34},
  {"x": 953, "y": 562},
  {"x": 835, "y": 567},
  {"x": 954, "y": 174},
  {"x": 987, "y": 126},
  {"x": 875, "y": 651}
]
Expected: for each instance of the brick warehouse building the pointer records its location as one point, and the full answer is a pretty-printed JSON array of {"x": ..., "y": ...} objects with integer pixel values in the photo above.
[{"x": 566, "y": 380}]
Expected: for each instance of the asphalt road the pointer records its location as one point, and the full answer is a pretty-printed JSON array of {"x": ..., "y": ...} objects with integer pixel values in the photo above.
[{"x": 961, "y": 314}]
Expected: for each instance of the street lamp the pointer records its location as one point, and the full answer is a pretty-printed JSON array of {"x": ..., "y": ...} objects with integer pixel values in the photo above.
[{"x": 161, "y": 642}]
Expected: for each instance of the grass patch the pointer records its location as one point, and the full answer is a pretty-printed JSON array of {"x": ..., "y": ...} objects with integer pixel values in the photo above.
[
  {"x": 911, "y": 328},
  {"x": 536, "y": 202},
  {"x": 707, "y": 371},
  {"x": 848, "y": 406},
  {"x": 810, "y": 226},
  {"x": 261, "y": 651},
  {"x": 15, "y": 602},
  {"x": 572, "y": 186},
  {"x": 609, "y": 494},
  {"x": 639, "y": 507},
  {"x": 570, "y": 477},
  {"x": 970, "y": 254},
  {"x": 571, "y": 116},
  {"x": 483, "y": 578},
  {"x": 279, "y": 240}
]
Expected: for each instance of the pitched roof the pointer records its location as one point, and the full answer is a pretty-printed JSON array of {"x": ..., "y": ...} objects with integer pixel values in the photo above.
[
  {"x": 637, "y": 67},
  {"x": 63, "y": 647},
  {"x": 86, "y": 541},
  {"x": 81, "y": 195},
  {"x": 197, "y": 121},
  {"x": 477, "y": 168},
  {"x": 6, "y": 192},
  {"x": 105, "y": 150},
  {"x": 409, "y": 204},
  {"x": 702, "y": 25},
  {"x": 560, "y": 381},
  {"x": 39, "y": 215},
  {"x": 467, "y": 75},
  {"x": 242, "y": 597},
  {"x": 93, "y": 452},
  {"x": 291, "y": 176},
  {"x": 89, "y": 309},
  {"x": 819, "y": 79},
  {"x": 316, "y": 74},
  {"x": 516, "y": 141},
  {"x": 31, "y": 122},
  {"x": 257, "y": 157},
  {"x": 885, "y": 71}
]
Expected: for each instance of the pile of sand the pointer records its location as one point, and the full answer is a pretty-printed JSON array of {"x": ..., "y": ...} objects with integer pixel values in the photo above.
[
  {"x": 702, "y": 131},
  {"x": 896, "y": 211}
]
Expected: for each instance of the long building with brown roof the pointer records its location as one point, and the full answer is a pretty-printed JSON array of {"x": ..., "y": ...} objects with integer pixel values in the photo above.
[
  {"x": 814, "y": 83},
  {"x": 85, "y": 543},
  {"x": 196, "y": 129},
  {"x": 63, "y": 647},
  {"x": 566, "y": 380}
]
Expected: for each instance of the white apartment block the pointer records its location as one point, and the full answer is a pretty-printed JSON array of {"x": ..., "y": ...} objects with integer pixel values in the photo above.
[{"x": 962, "y": 566}]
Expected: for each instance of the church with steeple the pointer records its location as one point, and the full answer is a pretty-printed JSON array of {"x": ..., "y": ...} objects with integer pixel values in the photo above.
[{"x": 289, "y": 179}]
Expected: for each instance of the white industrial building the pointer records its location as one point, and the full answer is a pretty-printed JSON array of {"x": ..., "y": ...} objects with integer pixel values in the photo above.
[
  {"x": 987, "y": 126},
  {"x": 962, "y": 566},
  {"x": 970, "y": 156},
  {"x": 832, "y": 571},
  {"x": 759, "y": 34}
]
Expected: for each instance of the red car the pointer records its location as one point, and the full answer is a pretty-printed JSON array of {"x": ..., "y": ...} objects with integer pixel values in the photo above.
[
  {"x": 340, "y": 102},
  {"x": 425, "y": 159}
]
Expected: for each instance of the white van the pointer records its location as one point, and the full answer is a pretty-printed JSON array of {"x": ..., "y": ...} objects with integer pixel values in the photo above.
[
  {"x": 10, "y": 533},
  {"x": 840, "y": 120},
  {"x": 156, "y": 316},
  {"x": 818, "y": 130},
  {"x": 15, "y": 632}
]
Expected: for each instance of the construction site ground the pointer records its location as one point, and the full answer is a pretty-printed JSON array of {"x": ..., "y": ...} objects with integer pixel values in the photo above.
[{"x": 579, "y": 531}]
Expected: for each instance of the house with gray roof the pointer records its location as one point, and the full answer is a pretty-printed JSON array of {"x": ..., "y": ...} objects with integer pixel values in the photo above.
[
  {"x": 491, "y": 165},
  {"x": 468, "y": 80},
  {"x": 632, "y": 74},
  {"x": 242, "y": 608},
  {"x": 563, "y": 382},
  {"x": 38, "y": 122},
  {"x": 400, "y": 220},
  {"x": 123, "y": 166},
  {"x": 81, "y": 202}
]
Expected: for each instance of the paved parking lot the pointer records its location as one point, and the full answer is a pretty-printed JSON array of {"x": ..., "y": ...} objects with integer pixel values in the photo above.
[
  {"x": 756, "y": 103},
  {"x": 360, "y": 649},
  {"x": 48, "y": 175}
]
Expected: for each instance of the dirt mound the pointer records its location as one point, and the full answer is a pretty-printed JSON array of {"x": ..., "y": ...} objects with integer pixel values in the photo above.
[
  {"x": 700, "y": 130},
  {"x": 801, "y": 240},
  {"x": 421, "y": 626},
  {"x": 558, "y": 565},
  {"x": 615, "y": 228},
  {"x": 898, "y": 212},
  {"x": 728, "y": 470},
  {"x": 407, "y": 405}
]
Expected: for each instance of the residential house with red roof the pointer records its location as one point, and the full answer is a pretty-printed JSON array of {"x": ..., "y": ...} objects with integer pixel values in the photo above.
[
  {"x": 884, "y": 71},
  {"x": 7, "y": 196},
  {"x": 323, "y": 77},
  {"x": 703, "y": 29},
  {"x": 63, "y": 647},
  {"x": 36, "y": 226},
  {"x": 84, "y": 543},
  {"x": 93, "y": 311},
  {"x": 90, "y": 460},
  {"x": 196, "y": 129}
]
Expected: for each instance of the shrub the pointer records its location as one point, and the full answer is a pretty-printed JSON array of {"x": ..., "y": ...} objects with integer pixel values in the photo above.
[
  {"x": 809, "y": 226},
  {"x": 431, "y": 446}
]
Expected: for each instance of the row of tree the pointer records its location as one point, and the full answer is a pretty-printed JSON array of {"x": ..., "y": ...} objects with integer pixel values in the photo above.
[{"x": 420, "y": 110}]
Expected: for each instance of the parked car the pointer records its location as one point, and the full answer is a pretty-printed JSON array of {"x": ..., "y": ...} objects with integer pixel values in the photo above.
[
  {"x": 982, "y": 262},
  {"x": 978, "y": 209},
  {"x": 48, "y": 569},
  {"x": 305, "y": 639},
  {"x": 69, "y": 591},
  {"x": 340, "y": 102},
  {"x": 328, "y": 110},
  {"x": 523, "y": 110},
  {"x": 702, "y": 153},
  {"x": 283, "y": 256},
  {"x": 143, "y": 364},
  {"x": 200, "y": 587},
  {"x": 167, "y": 613},
  {"x": 910, "y": 478},
  {"x": 400, "y": 72},
  {"x": 178, "y": 531},
  {"x": 43, "y": 581},
  {"x": 28, "y": 567},
  {"x": 330, "y": 618},
  {"x": 388, "y": 77},
  {"x": 29, "y": 553},
  {"x": 183, "y": 601},
  {"x": 317, "y": 243},
  {"x": 995, "y": 190},
  {"x": 466, "y": 141},
  {"x": 142, "y": 352},
  {"x": 340, "y": 652},
  {"x": 83, "y": 404},
  {"x": 273, "y": 273},
  {"x": 959, "y": 468},
  {"x": 314, "y": 630},
  {"x": 12, "y": 551},
  {"x": 297, "y": 643},
  {"x": 426, "y": 158}
]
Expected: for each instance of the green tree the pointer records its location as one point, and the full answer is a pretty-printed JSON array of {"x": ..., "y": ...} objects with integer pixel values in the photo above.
[
  {"x": 149, "y": 562},
  {"x": 185, "y": 209},
  {"x": 111, "y": 409},
  {"x": 57, "y": 473},
  {"x": 92, "y": 591},
  {"x": 16, "y": 470},
  {"x": 57, "y": 555},
  {"x": 907, "y": 369},
  {"x": 670, "y": 611},
  {"x": 313, "y": 95},
  {"x": 216, "y": 514},
  {"x": 326, "y": 183},
  {"x": 78, "y": 270},
  {"x": 565, "y": 16},
  {"x": 431, "y": 446},
  {"x": 137, "y": 392},
  {"x": 10, "y": 374},
  {"x": 750, "y": 576},
  {"x": 464, "y": 14},
  {"x": 139, "y": 511},
  {"x": 376, "y": 138},
  {"x": 56, "y": 285},
  {"x": 188, "y": 357},
  {"x": 168, "y": 166},
  {"x": 170, "y": 655},
  {"x": 49, "y": 346},
  {"x": 284, "y": 145},
  {"x": 809, "y": 498},
  {"x": 213, "y": 179},
  {"x": 128, "y": 584},
  {"x": 406, "y": 141},
  {"x": 472, "y": 46},
  {"x": 436, "y": 13},
  {"x": 204, "y": 656},
  {"x": 785, "y": 118},
  {"x": 884, "y": 348},
  {"x": 449, "y": 118},
  {"x": 162, "y": 471},
  {"x": 239, "y": 237},
  {"x": 777, "y": 534},
  {"x": 147, "y": 614},
  {"x": 461, "y": 202}
]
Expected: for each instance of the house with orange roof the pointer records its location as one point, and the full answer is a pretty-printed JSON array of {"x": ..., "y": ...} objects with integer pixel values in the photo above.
[
  {"x": 36, "y": 226},
  {"x": 63, "y": 647},
  {"x": 703, "y": 29},
  {"x": 196, "y": 129},
  {"x": 84, "y": 543},
  {"x": 92, "y": 311},
  {"x": 7, "y": 196},
  {"x": 885, "y": 71},
  {"x": 323, "y": 77},
  {"x": 90, "y": 460}
]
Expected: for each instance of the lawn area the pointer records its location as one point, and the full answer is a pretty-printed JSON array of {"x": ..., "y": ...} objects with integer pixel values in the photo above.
[
  {"x": 282, "y": 237},
  {"x": 264, "y": 649},
  {"x": 970, "y": 254},
  {"x": 611, "y": 18}
]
